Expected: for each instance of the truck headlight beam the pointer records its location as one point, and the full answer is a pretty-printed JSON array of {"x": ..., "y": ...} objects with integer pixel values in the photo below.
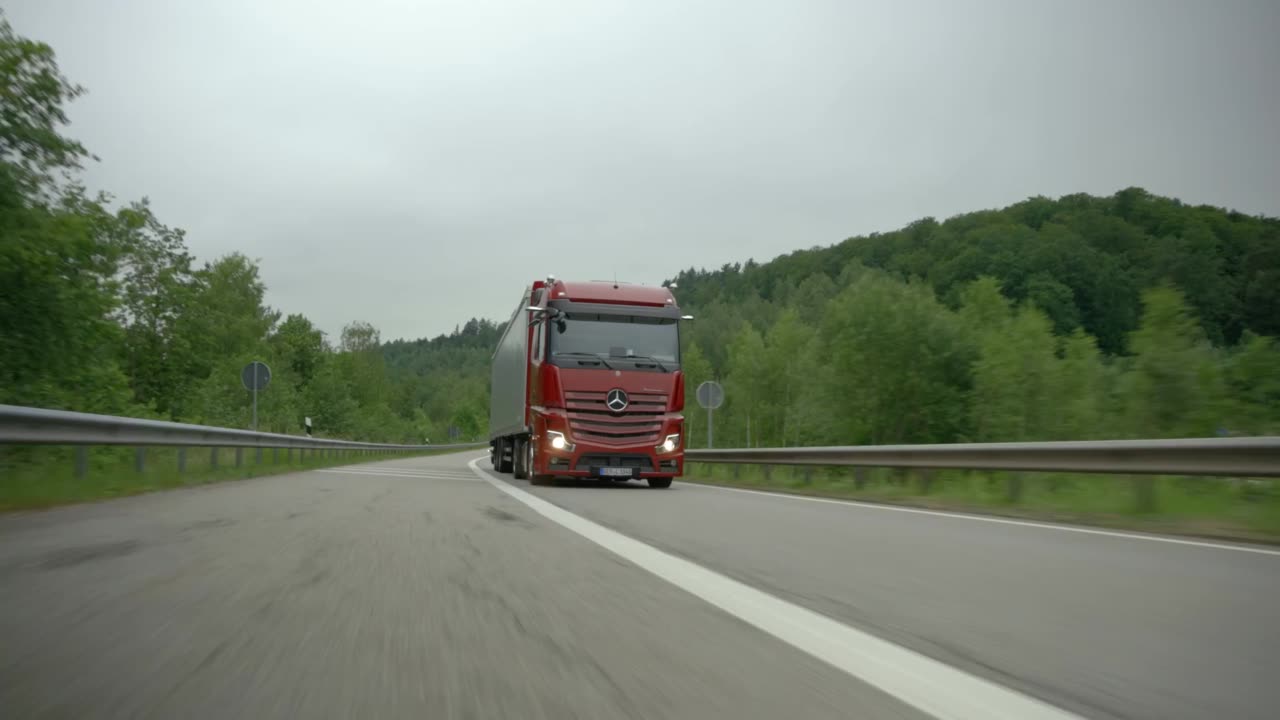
[{"x": 557, "y": 441}]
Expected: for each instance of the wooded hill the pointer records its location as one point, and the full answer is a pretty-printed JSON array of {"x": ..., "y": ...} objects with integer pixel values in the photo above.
[{"x": 1082, "y": 317}]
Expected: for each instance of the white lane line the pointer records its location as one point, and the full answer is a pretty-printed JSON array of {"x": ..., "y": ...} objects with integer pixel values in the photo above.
[
  {"x": 394, "y": 471},
  {"x": 413, "y": 472},
  {"x": 917, "y": 680},
  {"x": 1002, "y": 521},
  {"x": 382, "y": 473},
  {"x": 460, "y": 472}
]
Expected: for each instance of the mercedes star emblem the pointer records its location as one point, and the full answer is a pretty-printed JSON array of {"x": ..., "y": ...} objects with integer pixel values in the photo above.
[{"x": 616, "y": 400}]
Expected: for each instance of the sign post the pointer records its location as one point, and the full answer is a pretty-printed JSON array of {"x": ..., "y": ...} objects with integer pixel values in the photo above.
[
  {"x": 307, "y": 423},
  {"x": 255, "y": 376},
  {"x": 710, "y": 396}
]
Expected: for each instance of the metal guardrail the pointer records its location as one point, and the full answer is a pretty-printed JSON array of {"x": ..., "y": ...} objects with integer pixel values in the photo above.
[
  {"x": 35, "y": 426},
  {"x": 1232, "y": 457}
]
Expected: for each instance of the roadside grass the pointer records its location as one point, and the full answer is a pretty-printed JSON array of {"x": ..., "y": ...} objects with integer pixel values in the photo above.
[
  {"x": 1226, "y": 508},
  {"x": 39, "y": 477}
]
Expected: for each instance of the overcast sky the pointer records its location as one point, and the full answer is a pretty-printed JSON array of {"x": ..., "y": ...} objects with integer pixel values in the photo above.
[{"x": 415, "y": 163}]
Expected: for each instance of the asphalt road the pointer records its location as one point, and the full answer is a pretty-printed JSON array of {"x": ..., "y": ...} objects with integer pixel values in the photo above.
[{"x": 414, "y": 588}]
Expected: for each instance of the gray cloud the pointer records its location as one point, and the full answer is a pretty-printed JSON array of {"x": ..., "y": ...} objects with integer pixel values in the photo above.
[{"x": 416, "y": 163}]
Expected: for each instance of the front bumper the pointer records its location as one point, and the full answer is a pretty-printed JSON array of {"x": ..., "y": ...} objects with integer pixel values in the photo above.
[
  {"x": 613, "y": 463},
  {"x": 606, "y": 462}
]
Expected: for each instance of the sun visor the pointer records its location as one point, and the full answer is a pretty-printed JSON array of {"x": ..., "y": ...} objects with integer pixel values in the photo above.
[{"x": 670, "y": 312}]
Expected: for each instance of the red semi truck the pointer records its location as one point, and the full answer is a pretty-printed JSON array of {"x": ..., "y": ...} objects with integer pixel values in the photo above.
[{"x": 587, "y": 384}]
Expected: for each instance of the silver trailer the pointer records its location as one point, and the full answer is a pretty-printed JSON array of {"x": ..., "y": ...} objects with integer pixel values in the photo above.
[{"x": 509, "y": 383}]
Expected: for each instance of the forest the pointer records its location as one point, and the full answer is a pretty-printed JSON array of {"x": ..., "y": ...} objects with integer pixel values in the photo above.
[
  {"x": 1130, "y": 315},
  {"x": 1084, "y": 317}
]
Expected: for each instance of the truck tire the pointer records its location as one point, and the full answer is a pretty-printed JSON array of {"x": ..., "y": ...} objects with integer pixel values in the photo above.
[
  {"x": 504, "y": 458},
  {"x": 530, "y": 463},
  {"x": 659, "y": 482},
  {"x": 519, "y": 460}
]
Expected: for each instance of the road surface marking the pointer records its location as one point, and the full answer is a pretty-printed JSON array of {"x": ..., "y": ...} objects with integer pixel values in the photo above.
[
  {"x": 1002, "y": 521},
  {"x": 386, "y": 473},
  {"x": 922, "y": 682}
]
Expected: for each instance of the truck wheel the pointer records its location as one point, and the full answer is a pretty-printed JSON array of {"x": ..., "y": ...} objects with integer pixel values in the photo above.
[
  {"x": 659, "y": 482},
  {"x": 504, "y": 459},
  {"x": 519, "y": 458},
  {"x": 531, "y": 463}
]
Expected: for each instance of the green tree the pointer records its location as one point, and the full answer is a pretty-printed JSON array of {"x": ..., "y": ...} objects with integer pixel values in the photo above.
[
  {"x": 1013, "y": 380},
  {"x": 1253, "y": 378},
  {"x": 1174, "y": 387},
  {"x": 791, "y": 373},
  {"x": 155, "y": 281},
  {"x": 744, "y": 384},
  {"x": 228, "y": 311},
  {"x": 696, "y": 370},
  {"x": 1080, "y": 393},
  {"x": 899, "y": 361},
  {"x": 58, "y": 345},
  {"x": 33, "y": 97},
  {"x": 300, "y": 346}
]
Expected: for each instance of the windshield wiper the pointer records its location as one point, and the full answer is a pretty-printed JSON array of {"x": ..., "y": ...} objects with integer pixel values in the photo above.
[
  {"x": 592, "y": 356},
  {"x": 653, "y": 360}
]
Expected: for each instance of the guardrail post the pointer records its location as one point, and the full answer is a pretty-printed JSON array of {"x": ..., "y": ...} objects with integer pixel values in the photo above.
[
  {"x": 288, "y": 456},
  {"x": 1145, "y": 491},
  {"x": 926, "y": 480},
  {"x": 82, "y": 461},
  {"x": 275, "y": 456},
  {"x": 807, "y": 474},
  {"x": 239, "y": 456},
  {"x": 768, "y": 473},
  {"x": 1013, "y": 490},
  {"x": 859, "y": 478},
  {"x": 213, "y": 458},
  {"x": 140, "y": 459},
  {"x": 258, "y": 455},
  {"x": 182, "y": 460}
]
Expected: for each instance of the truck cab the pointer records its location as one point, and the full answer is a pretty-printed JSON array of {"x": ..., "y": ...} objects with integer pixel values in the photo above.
[{"x": 587, "y": 383}]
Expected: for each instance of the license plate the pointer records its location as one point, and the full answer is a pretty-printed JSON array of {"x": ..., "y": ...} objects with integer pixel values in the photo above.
[{"x": 614, "y": 472}]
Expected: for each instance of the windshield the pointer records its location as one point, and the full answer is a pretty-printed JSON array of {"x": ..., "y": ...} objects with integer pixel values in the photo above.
[{"x": 611, "y": 339}]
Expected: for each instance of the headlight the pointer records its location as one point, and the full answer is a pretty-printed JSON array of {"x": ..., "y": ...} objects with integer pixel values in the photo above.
[
  {"x": 557, "y": 441},
  {"x": 670, "y": 444}
]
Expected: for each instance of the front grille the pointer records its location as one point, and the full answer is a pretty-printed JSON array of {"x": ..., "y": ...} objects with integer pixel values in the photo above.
[
  {"x": 590, "y": 419},
  {"x": 586, "y": 462}
]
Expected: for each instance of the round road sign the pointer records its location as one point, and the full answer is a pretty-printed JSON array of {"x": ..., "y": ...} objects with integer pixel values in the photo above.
[
  {"x": 710, "y": 395},
  {"x": 256, "y": 376}
]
